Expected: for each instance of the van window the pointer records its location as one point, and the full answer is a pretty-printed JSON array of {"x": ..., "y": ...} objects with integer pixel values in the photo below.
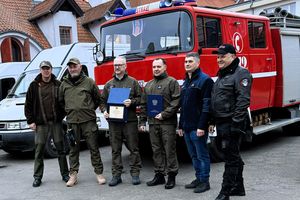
[
  {"x": 209, "y": 32},
  {"x": 257, "y": 35},
  {"x": 5, "y": 85}
]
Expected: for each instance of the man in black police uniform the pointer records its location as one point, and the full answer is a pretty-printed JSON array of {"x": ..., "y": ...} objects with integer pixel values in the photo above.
[{"x": 230, "y": 99}]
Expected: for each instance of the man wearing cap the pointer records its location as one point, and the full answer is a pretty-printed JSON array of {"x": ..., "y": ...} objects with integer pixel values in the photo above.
[
  {"x": 44, "y": 116},
  {"x": 229, "y": 102},
  {"x": 193, "y": 123},
  {"x": 123, "y": 130},
  {"x": 80, "y": 97}
]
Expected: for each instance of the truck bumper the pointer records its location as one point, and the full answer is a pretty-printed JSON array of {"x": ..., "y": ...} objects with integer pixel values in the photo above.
[{"x": 21, "y": 140}]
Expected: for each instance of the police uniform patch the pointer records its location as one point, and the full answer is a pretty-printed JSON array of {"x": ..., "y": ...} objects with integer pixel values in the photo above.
[{"x": 244, "y": 82}]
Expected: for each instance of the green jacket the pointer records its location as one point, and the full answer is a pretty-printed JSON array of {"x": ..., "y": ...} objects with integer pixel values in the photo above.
[
  {"x": 80, "y": 98},
  {"x": 134, "y": 96},
  {"x": 169, "y": 88}
]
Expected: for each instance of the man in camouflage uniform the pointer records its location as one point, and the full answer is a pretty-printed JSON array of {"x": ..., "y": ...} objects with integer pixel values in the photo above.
[
  {"x": 163, "y": 125},
  {"x": 123, "y": 130},
  {"x": 80, "y": 97}
]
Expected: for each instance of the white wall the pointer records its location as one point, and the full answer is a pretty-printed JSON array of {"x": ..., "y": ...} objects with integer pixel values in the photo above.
[
  {"x": 292, "y": 6},
  {"x": 50, "y": 26}
]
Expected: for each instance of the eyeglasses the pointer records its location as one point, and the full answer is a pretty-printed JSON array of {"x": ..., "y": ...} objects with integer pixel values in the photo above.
[{"x": 118, "y": 65}]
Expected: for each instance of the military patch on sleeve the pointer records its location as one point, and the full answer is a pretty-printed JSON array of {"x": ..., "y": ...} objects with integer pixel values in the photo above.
[{"x": 244, "y": 82}]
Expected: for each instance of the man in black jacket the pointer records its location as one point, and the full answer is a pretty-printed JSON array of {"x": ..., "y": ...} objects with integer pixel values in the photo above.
[
  {"x": 230, "y": 100},
  {"x": 44, "y": 117},
  {"x": 193, "y": 124}
]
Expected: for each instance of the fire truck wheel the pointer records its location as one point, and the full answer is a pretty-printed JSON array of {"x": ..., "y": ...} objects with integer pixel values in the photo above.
[{"x": 215, "y": 152}]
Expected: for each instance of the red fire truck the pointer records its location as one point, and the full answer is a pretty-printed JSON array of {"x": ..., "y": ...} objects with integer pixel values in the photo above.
[{"x": 269, "y": 49}]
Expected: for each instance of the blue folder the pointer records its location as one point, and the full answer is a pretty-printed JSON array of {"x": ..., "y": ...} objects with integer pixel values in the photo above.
[
  {"x": 118, "y": 95},
  {"x": 116, "y": 98},
  {"x": 154, "y": 105}
]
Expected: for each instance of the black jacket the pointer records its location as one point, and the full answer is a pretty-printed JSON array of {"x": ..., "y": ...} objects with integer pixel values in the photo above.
[
  {"x": 34, "y": 110},
  {"x": 195, "y": 101},
  {"x": 231, "y": 94}
]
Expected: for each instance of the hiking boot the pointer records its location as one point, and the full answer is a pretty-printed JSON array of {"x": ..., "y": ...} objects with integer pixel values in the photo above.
[
  {"x": 115, "y": 181},
  {"x": 37, "y": 182},
  {"x": 100, "y": 178},
  {"x": 157, "y": 180},
  {"x": 202, "y": 187},
  {"x": 222, "y": 197},
  {"x": 193, "y": 184},
  {"x": 237, "y": 191},
  {"x": 136, "y": 180},
  {"x": 73, "y": 180}
]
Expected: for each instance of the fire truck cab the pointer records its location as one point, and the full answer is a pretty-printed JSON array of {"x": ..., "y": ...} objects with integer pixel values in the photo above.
[{"x": 170, "y": 30}]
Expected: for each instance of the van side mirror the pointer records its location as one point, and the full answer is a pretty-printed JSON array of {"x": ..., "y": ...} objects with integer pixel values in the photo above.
[{"x": 98, "y": 54}]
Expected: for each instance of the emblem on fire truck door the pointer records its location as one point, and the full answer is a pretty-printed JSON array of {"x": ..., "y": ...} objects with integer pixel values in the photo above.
[{"x": 238, "y": 42}]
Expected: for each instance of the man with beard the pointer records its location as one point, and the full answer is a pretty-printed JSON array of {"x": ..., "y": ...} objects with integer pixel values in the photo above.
[{"x": 80, "y": 97}]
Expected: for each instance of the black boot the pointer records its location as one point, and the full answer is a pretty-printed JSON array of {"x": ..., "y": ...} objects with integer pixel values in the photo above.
[
  {"x": 37, "y": 182},
  {"x": 222, "y": 197},
  {"x": 171, "y": 181},
  {"x": 157, "y": 180},
  {"x": 238, "y": 188}
]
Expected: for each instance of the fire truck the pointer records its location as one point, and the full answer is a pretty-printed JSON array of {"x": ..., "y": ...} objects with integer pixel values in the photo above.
[{"x": 268, "y": 48}]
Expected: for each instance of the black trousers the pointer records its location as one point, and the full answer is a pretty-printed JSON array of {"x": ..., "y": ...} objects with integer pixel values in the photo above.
[{"x": 233, "y": 174}]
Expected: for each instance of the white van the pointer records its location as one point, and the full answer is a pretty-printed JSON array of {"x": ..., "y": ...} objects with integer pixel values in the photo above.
[
  {"x": 15, "y": 135},
  {"x": 9, "y": 73}
]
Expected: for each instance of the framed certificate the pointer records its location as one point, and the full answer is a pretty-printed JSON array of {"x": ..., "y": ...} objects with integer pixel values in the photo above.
[
  {"x": 116, "y": 112},
  {"x": 115, "y": 103}
]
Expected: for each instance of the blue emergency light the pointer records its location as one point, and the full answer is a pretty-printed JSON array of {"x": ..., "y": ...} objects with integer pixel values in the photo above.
[{"x": 120, "y": 12}]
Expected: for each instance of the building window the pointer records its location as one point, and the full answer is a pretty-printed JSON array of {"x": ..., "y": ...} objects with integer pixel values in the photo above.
[
  {"x": 65, "y": 35},
  {"x": 257, "y": 38},
  {"x": 209, "y": 32}
]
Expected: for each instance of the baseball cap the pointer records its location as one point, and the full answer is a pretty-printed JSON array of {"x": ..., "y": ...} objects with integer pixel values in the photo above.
[
  {"x": 224, "y": 49},
  {"x": 45, "y": 64},
  {"x": 73, "y": 61}
]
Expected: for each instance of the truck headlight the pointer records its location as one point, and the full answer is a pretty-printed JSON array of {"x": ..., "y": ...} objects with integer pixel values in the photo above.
[
  {"x": 17, "y": 125},
  {"x": 24, "y": 125},
  {"x": 13, "y": 125}
]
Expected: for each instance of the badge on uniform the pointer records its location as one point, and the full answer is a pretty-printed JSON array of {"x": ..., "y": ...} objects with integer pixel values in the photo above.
[{"x": 244, "y": 82}]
